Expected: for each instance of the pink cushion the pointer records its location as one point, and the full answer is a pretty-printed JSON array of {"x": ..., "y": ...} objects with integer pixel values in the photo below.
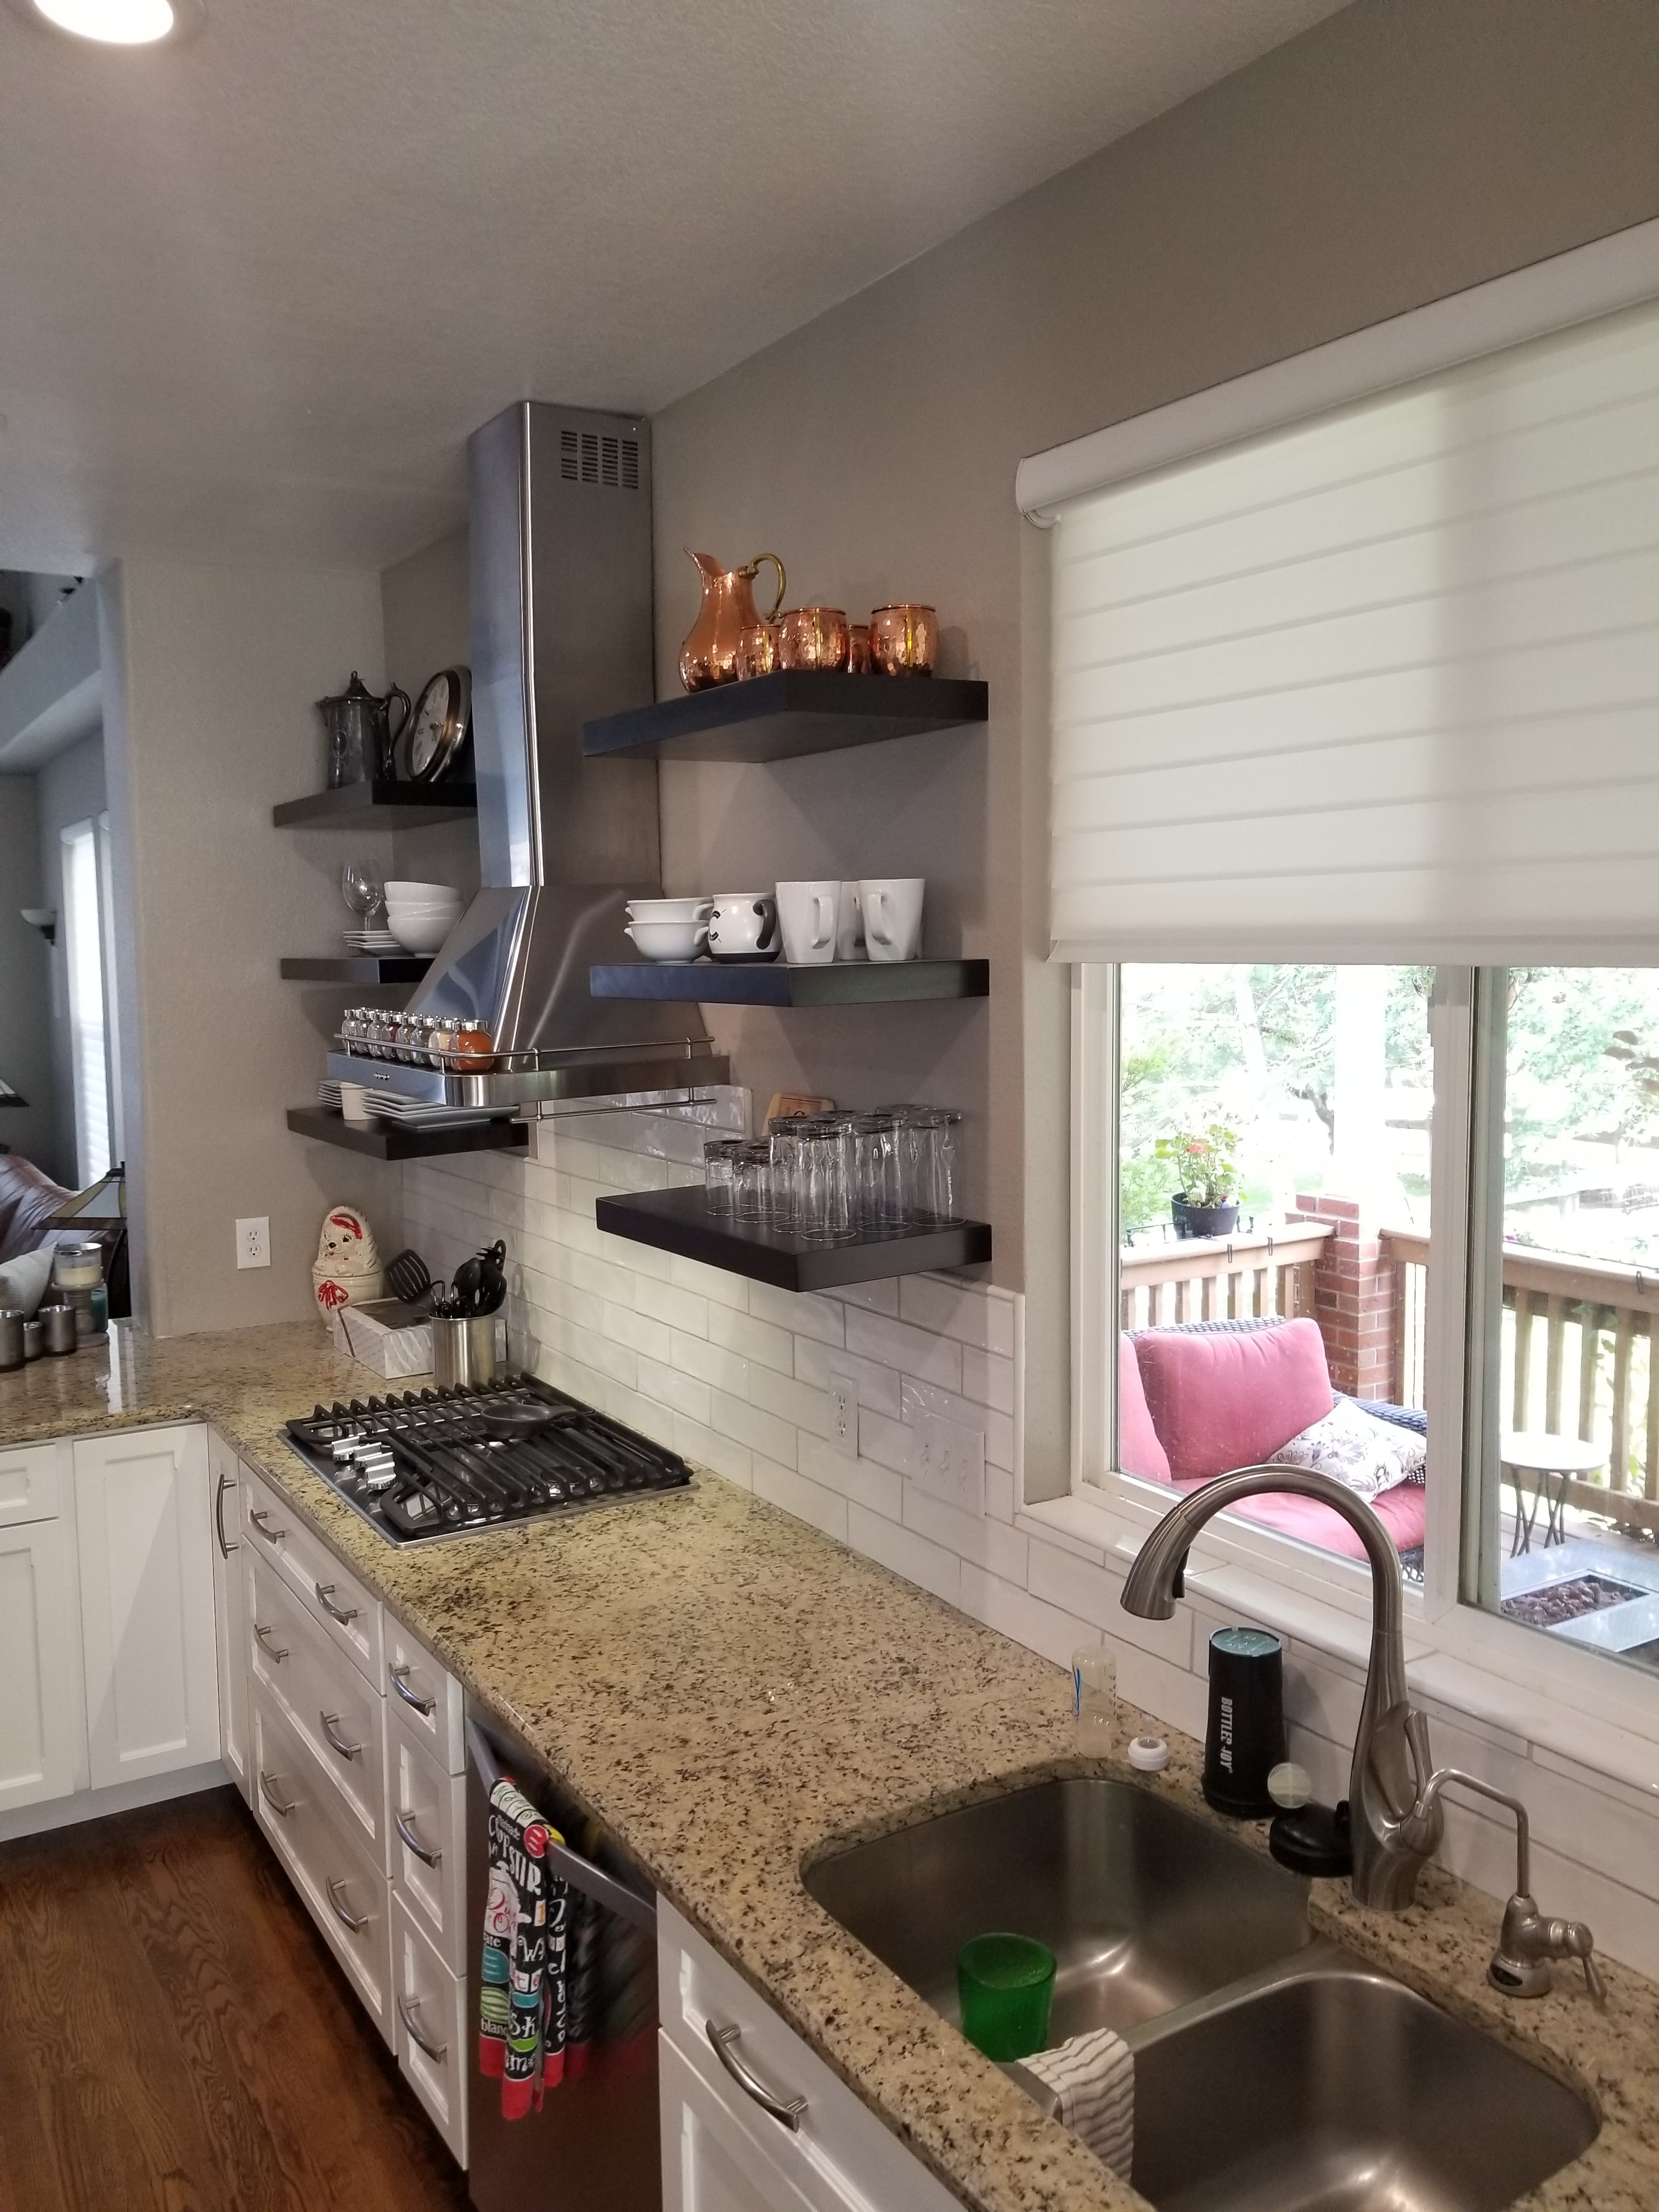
[
  {"x": 1226, "y": 1398},
  {"x": 1139, "y": 1451},
  {"x": 1402, "y": 1511}
]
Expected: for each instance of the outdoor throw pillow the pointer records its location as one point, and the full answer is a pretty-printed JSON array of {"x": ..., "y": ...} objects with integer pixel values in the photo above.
[{"x": 1369, "y": 1454}]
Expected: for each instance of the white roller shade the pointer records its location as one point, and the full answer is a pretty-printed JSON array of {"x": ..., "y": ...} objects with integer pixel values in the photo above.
[{"x": 1381, "y": 686}]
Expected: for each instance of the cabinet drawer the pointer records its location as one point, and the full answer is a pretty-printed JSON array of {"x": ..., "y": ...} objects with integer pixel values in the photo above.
[
  {"x": 322, "y": 1695},
  {"x": 329, "y": 1592},
  {"x": 33, "y": 1482},
  {"x": 433, "y": 2045},
  {"x": 841, "y": 2152},
  {"x": 427, "y": 1698},
  {"x": 428, "y": 1811},
  {"x": 344, "y": 1890},
  {"x": 711, "y": 2159}
]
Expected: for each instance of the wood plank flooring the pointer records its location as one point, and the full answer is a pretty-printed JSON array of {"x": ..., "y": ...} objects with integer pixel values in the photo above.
[{"x": 176, "y": 2037}]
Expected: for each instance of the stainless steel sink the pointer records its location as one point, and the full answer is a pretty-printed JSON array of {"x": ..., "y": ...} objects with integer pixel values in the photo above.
[
  {"x": 1335, "y": 2090},
  {"x": 1144, "y": 1907}
]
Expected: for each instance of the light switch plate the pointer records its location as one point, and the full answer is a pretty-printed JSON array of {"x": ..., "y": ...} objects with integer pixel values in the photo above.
[
  {"x": 254, "y": 1241},
  {"x": 947, "y": 1459}
]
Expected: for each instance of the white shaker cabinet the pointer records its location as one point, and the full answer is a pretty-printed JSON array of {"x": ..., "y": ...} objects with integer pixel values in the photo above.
[
  {"x": 143, "y": 1511},
  {"x": 225, "y": 1475},
  {"x": 40, "y": 1664}
]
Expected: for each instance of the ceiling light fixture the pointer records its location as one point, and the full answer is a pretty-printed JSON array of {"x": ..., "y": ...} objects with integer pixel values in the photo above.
[{"x": 116, "y": 23}]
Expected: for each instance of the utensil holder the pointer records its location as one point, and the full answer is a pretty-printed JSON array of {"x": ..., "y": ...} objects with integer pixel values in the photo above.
[{"x": 463, "y": 1351}]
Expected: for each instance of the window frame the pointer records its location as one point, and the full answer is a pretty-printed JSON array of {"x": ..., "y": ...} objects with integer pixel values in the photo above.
[{"x": 1272, "y": 1576}]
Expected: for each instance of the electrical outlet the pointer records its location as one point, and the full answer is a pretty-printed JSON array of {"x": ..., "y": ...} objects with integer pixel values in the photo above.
[
  {"x": 254, "y": 1241},
  {"x": 947, "y": 1458},
  {"x": 844, "y": 1415}
]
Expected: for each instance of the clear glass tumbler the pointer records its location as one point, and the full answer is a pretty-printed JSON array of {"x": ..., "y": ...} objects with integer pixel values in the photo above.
[
  {"x": 783, "y": 1139},
  {"x": 1094, "y": 1699},
  {"x": 719, "y": 1160},
  {"x": 840, "y": 1203},
  {"x": 880, "y": 1201},
  {"x": 752, "y": 1172}
]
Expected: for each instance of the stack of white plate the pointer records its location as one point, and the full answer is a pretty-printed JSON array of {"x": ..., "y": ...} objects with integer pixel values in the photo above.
[
  {"x": 420, "y": 1112},
  {"x": 371, "y": 940},
  {"x": 421, "y": 915}
]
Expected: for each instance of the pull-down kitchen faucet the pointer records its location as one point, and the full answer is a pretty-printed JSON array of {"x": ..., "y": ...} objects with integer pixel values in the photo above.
[{"x": 1394, "y": 1790}]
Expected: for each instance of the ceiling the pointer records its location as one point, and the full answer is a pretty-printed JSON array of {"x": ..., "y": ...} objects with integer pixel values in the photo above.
[{"x": 255, "y": 288}]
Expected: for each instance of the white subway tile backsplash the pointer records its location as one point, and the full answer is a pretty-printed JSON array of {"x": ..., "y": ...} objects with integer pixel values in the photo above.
[
  {"x": 809, "y": 1409},
  {"x": 912, "y": 1351},
  {"x": 1092, "y": 1593},
  {"x": 809, "y": 1501},
  {"x": 725, "y": 1370},
  {"x": 717, "y": 1285},
  {"x": 1000, "y": 1493},
  {"x": 988, "y": 1378},
  {"x": 861, "y": 1481},
  {"x": 874, "y": 1297},
  {"x": 966, "y": 1312},
  {"x": 905, "y": 1552},
  {"x": 709, "y": 1448},
  {"x": 681, "y": 1309},
  {"x": 1029, "y": 1620},
  {"x": 888, "y": 1442},
  {"x": 761, "y": 1341},
  {"x": 874, "y": 1386},
  {"x": 683, "y": 1394},
  {"x": 637, "y": 1330},
  {"x": 754, "y": 1426},
  {"x": 1000, "y": 1551},
  {"x": 645, "y": 1414},
  {"x": 799, "y": 1312}
]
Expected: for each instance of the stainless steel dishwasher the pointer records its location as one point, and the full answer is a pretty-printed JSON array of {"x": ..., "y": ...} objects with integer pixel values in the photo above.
[{"x": 593, "y": 2145}]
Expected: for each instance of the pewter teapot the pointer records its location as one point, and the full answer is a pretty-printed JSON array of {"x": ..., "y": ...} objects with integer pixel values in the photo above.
[{"x": 360, "y": 735}]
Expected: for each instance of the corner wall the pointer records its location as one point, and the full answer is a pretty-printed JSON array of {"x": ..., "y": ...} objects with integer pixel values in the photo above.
[{"x": 25, "y": 987}]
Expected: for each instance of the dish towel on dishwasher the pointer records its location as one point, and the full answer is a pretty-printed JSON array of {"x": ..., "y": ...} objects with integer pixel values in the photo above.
[
  {"x": 1093, "y": 2074},
  {"x": 521, "y": 2007}
]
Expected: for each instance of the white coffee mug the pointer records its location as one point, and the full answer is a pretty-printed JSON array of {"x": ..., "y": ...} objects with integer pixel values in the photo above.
[
  {"x": 744, "y": 926},
  {"x": 892, "y": 916},
  {"x": 806, "y": 916},
  {"x": 850, "y": 926}
]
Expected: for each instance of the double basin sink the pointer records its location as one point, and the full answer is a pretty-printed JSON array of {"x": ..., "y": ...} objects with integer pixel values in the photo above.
[{"x": 1273, "y": 2072}]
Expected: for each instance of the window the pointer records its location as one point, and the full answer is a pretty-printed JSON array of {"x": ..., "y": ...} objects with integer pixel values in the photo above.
[{"x": 85, "y": 877}]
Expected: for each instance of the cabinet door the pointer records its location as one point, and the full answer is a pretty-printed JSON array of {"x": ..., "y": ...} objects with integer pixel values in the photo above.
[
  {"x": 224, "y": 1473},
  {"x": 40, "y": 1664},
  {"x": 710, "y": 2160},
  {"x": 146, "y": 1557}
]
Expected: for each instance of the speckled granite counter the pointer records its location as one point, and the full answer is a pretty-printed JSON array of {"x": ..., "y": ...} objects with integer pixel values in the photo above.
[{"x": 729, "y": 1691}]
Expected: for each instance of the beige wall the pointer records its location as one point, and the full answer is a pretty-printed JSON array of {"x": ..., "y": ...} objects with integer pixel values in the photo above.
[
  {"x": 210, "y": 721},
  {"x": 1402, "y": 150}
]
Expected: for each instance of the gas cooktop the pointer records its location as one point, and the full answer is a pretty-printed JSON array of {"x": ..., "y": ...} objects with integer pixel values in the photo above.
[{"x": 434, "y": 1463}]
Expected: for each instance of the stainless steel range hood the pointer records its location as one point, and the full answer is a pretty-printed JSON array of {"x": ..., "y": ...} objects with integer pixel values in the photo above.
[{"x": 560, "y": 528}]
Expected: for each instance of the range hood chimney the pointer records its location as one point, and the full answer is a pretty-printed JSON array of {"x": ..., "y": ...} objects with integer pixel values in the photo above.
[{"x": 560, "y": 526}]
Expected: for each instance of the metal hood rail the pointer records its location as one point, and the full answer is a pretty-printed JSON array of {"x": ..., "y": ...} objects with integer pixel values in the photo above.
[{"x": 560, "y": 534}]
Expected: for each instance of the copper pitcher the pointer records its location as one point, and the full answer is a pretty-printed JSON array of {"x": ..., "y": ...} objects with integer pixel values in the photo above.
[{"x": 710, "y": 654}]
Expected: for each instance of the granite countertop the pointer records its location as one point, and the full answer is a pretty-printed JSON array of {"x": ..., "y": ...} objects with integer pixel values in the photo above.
[{"x": 729, "y": 1691}]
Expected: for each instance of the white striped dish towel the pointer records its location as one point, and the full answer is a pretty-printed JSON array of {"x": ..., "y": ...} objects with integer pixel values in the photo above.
[{"x": 1093, "y": 2074}]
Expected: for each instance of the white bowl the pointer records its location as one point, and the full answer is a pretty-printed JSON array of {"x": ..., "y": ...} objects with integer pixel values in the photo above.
[
  {"x": 422, "y": 912},
  {"x": 669, "y": 940},
  {"x": 669, "y": 910},
  {"x": 421, "y": 933},
  {"x": 424, "y": 907},
  {"x": 419, "y": 893}
]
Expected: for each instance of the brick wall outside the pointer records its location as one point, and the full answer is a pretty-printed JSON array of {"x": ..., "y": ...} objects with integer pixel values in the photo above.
[{"x": 1353, "y": 1296}]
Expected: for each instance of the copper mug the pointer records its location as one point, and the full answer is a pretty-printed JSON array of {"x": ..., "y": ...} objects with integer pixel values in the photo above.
[
  {"x": 813, "y": 637},
  {"x": 757, "y": 651},
  {"x": 904, "y": 640}
]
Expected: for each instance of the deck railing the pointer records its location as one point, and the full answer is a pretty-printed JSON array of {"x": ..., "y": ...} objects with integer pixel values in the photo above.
[
  {"x": 1577, "y": 1360},
  {"x": 1251, "y": 1274}
]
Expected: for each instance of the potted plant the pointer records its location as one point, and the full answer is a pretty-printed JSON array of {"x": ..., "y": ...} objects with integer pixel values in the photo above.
[{"x": 1207, "y": 1205}]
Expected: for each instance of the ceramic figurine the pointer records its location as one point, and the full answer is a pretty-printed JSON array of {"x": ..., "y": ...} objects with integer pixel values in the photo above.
[{"x": 348, "y": 1270}]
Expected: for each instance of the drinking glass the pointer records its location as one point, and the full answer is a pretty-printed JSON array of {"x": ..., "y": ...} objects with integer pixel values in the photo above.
[
  {"x": 751, "y": 1168},
  {"x": 877, "y": 1165},
  {"x": 841, "y": 1201},
  {"x": 1094, "y": 1699},
  {"x": 783, "y": 1140},
  {"x": 719, "y": 1160},
  {"x": 812, "y": 1142}
]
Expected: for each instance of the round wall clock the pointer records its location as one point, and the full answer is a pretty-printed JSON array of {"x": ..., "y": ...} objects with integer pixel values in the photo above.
[{"x": 434, "y": 731}]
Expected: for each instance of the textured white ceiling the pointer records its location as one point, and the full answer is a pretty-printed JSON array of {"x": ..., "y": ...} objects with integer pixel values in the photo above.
[{"x": 256, "y": 289}]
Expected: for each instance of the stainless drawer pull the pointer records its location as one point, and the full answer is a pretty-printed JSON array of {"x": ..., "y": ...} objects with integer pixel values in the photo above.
[
  {"x": 225, "y": 1549},
  {"x": 256, "y": 1514},
  {"x": 330, "y": 1721},
  {"x": 356, "y": 1922},
  {"x": 788, "y": 2111},
  {"x": 425, "y": 1707},
  {"x": 267, "y": 1791},
  {"x": 276, "y": 1652},
  {"x": 324, "y": 1594},
  {"x": 406, "y": 2013},
  {"x": 405, "y": 1823}
]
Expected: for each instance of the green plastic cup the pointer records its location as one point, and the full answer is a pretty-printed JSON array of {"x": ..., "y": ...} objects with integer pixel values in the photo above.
[{"x": 1006, "y": 1984}]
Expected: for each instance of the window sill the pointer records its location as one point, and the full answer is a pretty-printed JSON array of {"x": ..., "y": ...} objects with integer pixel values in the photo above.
[{"x": 1606, "y": 1751}]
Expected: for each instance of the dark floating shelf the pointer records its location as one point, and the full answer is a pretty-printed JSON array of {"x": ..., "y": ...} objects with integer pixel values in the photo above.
[
  {"x": 847, "y": 983},
  {"x": 679, "y": 1221},
  {"x": 798, "y": 710},
  {"x": 359, "y": 968},
  {"x": 387, "y": 1140},
  {"x": 415, "y": 803}
]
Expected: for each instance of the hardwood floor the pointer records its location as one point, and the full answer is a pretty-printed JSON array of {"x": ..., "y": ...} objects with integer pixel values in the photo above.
[{"x": 175, "y": 2037}]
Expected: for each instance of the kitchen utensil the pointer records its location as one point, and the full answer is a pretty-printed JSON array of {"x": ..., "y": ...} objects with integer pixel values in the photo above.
[
  {"x": 1006, "y": 1984},
  {"x": 78, "y": 1272},
  {"x": 807, "y": 917},
  {"x": 709, "y": 654},
  {"x": 858, "y": 649},
  {"x": 464, "y": 1349},
  {"x": 492, "y": 1279},
  {"x": 904, "y": 640},
  {"x": 469, "y": 1278},
  {"x": 58, "y": 1322},
  {"x": 11, "y": 1338},
  {"x": 850, "y": 926},
  {"x": 669, "y": 940},
  {"x": 757, "y": 651},
  {"x": 813, "y": 637},
  {"x": 362, "y": 895},
  {"x": 891, "y": 906},
  {"x": 433, "y": 732},
  {"x": 407, "y": 1277},
  {"x": 360, "y": 736},
  {"x": 1245, "y": 1739},
  {"x": 744, "y": 926}
]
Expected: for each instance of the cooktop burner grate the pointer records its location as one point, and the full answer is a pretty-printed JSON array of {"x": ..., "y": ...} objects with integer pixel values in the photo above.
[{"x": 436, "y": 1463}]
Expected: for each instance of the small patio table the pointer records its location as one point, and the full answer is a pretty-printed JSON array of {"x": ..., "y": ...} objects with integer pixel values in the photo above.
[{"x": 1549, "y": 1461}]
